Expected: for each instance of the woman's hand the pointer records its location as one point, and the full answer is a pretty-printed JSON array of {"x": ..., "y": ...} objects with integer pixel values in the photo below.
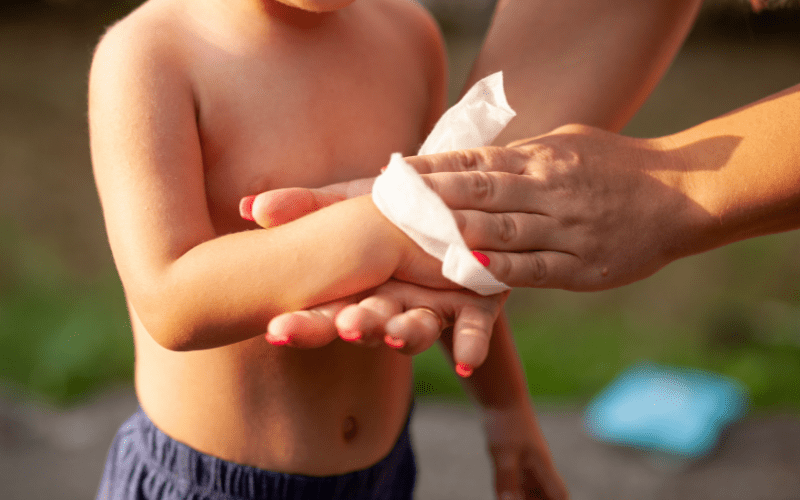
[
  {"x": 578, "y": 208},
  {"x": 524, "y": 469}
]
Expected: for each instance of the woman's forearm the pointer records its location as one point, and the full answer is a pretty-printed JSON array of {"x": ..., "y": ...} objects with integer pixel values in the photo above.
[
  {"x": 226, "y": 289},
  {"x": 580, "y": 61},
  {"x": 742, "y": 171}
]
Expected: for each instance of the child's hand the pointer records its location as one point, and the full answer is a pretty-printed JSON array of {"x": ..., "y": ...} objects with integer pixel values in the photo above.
[
  {"x": 524, "y": 469},
  {"x": 280, "y": 206}
]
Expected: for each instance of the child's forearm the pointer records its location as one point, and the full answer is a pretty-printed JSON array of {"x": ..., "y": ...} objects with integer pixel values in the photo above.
[
  {"x": 499, "y": 383},
  {"x": 226, "y": 289}
]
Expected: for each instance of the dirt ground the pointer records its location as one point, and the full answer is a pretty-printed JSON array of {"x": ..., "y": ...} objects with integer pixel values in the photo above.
[{"x": 49, "y": 454}]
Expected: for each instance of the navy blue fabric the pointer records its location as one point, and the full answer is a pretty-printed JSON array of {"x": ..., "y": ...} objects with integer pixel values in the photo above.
[{"x": 146, "y": 464}]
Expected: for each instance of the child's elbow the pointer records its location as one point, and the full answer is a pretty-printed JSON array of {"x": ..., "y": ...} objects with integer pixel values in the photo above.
[
  {"x": 174, "y": 338},
  {"x": 169, "y": 332},
  {"x": 188, "y": 329},
  {"x": 169, "y": 326}
]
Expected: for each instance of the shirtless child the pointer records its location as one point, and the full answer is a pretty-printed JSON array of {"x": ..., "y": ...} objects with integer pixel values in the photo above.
[{"x": 194, "y": 104}]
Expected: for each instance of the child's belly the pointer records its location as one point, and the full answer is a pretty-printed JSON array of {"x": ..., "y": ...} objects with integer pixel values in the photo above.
[{"x": 315, "y": 412}]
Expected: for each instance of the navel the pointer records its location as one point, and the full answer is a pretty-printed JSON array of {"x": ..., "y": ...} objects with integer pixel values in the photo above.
[{"x": 349, "y": 428}]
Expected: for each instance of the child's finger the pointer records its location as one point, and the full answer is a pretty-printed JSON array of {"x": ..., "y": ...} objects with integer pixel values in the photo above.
[
  {"x": 280, "y": 206},
  {"x": 471, "y": 334},
  {"x": 414, "y": 331}
]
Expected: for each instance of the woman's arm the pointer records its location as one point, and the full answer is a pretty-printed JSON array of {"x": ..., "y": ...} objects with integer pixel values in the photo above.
[
  {"x": 578, "y": 61},
  {"x": 524, "y": 468},
  {"x": 588, "y": 209},
  {"x": 743, "y": 170},
  {"x": 192, "y": 288}
]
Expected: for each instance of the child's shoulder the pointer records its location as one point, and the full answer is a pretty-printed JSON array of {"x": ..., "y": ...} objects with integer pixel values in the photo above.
[
  {"x": 151, "y": 33},
  {"x": 416, "y": 25},
  {"x": 411, "y": 15},
  {"x": 411, "y": 10},
  {"x": 146, "y": 51},
  {"x": 147, "y": 21}
]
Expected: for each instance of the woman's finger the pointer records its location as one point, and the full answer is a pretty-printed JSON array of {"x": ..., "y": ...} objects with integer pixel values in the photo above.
[
  {"x": 472, "y": 332},
  {"x": 511, "y": 232},
  {"x": 547, "y": 269},
  {"x": 485, "y": 159},
  {"x": 490, "y": 191},
  {"x": 307, "y": 329},
  {"x": 304, "y": 329},
  {"x": 414, "y": 331},
  {"x": 364, "y": 323}
]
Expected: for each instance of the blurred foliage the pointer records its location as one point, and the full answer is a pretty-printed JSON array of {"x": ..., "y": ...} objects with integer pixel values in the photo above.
[
  {"x": 62, "y": 337},
  {"x": 571, "y": 355}
]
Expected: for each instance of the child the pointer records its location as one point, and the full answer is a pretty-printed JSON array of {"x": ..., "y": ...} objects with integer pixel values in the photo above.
[{"x": 195, "y": 104}]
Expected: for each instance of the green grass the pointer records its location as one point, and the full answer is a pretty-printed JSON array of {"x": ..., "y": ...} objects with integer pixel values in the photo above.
[
  {"x": 63, "y": 337},
  {"x": 571, "y": 357}
]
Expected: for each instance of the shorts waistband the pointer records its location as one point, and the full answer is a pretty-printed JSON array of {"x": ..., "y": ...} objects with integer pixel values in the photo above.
[{"x": 203, "y": 476}]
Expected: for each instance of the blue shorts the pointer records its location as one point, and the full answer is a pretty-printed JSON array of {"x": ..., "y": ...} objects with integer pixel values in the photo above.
[{"x": 146, "y": 464}]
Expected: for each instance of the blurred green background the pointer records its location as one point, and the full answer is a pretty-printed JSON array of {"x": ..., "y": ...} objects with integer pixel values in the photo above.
[{"x": 64, "y": 331}]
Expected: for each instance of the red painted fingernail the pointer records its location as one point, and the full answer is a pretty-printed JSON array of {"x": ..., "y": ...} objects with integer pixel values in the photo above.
[
  {"x": 350, "y": 335},
  {"x": 394, "y": 342},
  {"x": 481, "y": 258},
  {"x": 246, "y": 207},
  {"x": 277, "y": 341},
  {"x": 463, "y": 370}
]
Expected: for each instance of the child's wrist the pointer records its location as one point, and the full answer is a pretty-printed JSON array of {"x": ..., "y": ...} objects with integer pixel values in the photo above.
[
  {"x": 410, "y": 262},
  {"x": 394, "y": 241},
  {"x": 397, "y": 243}
]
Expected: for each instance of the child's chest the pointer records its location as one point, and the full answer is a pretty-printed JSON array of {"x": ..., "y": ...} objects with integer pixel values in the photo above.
[{"x": 306, "y": 122}]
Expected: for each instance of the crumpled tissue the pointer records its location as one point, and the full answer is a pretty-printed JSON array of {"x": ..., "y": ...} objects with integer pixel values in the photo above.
[{"x": 404, "y": 198}]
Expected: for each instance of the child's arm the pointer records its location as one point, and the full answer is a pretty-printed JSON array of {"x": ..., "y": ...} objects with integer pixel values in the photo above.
[
  {"x": 523, "y": 466},
  {"x": 191, "y": 288}
]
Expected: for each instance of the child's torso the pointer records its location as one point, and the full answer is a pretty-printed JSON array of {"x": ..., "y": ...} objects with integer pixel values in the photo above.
[{"x": 292, "y": 112}]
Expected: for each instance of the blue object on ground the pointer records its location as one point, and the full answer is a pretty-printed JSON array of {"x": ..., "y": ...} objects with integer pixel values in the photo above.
[{"x": 676, "y": 411}]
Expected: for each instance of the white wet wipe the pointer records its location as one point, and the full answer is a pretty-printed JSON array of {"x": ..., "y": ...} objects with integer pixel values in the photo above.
[{"x": 404, "y": 198}]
